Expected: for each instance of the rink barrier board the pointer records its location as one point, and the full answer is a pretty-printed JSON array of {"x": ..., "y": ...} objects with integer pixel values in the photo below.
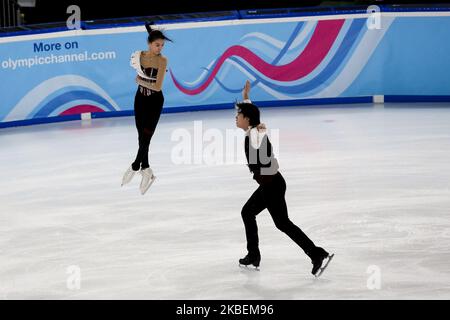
[
  {"x": 220, "y": 106},
  {"x": 119, "y": 22},
  {"x": 235, "y": 14},
  {"x": 296, "y": 102},
  {"x": 404, "y": 98},
  {"x": 325, "y": 102},
  {"x": 339, "y": 14}
]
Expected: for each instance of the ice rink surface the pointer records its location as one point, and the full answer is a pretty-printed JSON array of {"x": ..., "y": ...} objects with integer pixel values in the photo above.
[{"x": 369, "y": 183}]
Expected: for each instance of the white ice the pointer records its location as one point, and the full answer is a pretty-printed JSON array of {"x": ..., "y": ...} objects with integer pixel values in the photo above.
[{"x": 369, "y": 183}]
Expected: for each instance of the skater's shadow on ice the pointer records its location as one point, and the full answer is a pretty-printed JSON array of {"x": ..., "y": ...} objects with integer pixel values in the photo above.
[
  {"x": 320, "y": 281},
  {"x": 253, "y": 284},
  {"x": 273, "y": 289}
]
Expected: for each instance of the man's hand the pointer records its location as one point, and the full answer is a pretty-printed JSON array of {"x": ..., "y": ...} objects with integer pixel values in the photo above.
[{"x": 246, "y": 90}]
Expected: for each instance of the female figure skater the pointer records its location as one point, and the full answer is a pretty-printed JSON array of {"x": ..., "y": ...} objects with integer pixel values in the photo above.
[
  {"x": 270, "y": 194},
  {"x": 148, "y": 102}
]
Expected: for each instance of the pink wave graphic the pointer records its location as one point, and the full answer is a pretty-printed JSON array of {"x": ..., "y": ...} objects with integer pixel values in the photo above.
[
  {"x": 316, "y": 50},
  {"x": 81, "y": 109}
]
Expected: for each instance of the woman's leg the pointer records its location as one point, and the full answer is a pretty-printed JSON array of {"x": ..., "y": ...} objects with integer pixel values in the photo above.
[
  {"x": 151, "y": 121},
  {"x": 139, "y": 117},
  {"x": 147, "y": 113}
]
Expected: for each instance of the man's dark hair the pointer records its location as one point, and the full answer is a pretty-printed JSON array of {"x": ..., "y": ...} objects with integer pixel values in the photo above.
[{"x": 250, "y": 111}]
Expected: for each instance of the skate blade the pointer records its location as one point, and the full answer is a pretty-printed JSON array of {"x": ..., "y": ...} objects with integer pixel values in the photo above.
[
  {"x": 322, "y": 269},
  {"x": 243, "y": 266},
  {"x": 151, "y": 182},
  {"x": 126, "y": 182}
]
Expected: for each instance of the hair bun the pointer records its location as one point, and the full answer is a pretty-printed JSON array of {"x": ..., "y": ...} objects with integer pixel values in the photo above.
[{"x": 148, "y": 26}]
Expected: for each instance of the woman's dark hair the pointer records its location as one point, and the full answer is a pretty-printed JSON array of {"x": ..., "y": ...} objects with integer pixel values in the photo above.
[
  {"x": 154, "y": 34},
  {"x": 249, "y": 111}
]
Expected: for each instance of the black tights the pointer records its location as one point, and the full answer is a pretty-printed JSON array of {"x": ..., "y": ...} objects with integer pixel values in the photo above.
[
  {"x": 270, "y": 196},
  {"x": 147, "y": 110}
]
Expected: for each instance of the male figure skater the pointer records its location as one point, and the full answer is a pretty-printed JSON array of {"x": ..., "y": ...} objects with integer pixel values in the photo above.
[{"x": 270, "y": 193}]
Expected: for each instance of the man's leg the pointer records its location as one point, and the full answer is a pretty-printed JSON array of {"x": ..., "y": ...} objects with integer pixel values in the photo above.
[
  {"x": 251, "y": 209},
  {"x": 276, "y": 205}
]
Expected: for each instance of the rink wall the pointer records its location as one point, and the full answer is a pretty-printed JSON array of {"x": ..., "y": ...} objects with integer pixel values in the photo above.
[{"x": 291, "y": 60}]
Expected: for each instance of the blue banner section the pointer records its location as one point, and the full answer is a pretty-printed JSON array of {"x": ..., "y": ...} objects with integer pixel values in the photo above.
[{"x": 287, "y": 59}]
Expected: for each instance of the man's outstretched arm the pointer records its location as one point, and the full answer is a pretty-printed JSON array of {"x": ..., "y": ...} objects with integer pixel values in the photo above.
[{"x": 246, "y": 91}]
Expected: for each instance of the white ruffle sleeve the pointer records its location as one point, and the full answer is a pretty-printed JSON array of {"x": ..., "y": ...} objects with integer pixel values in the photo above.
[{"x": 135, "y": 63}]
